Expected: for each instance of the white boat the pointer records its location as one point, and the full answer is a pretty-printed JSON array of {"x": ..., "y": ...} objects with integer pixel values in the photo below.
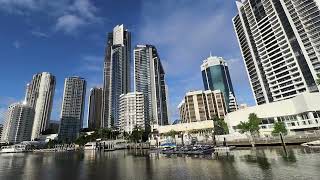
[
  {"x": 90, "y": 146},
  {"x": 224, "y": 148},
  {"x": 120, "y": 144},
  {"x": 312, "y": 144},
  {"x": 14, "y": 149}
]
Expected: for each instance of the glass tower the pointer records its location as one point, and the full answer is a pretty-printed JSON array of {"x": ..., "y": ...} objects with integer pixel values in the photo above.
[
  {"x": 215, "y": 75},
  {"x": 116, "y": 80}
]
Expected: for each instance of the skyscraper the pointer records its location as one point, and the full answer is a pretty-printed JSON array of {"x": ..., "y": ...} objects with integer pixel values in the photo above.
[
  {"x": 95, "y": 108},
  {"x": 72, "y": 108},
  {"x": 1, "y": 128},
  {"x": 39, "y": 95},
  {"x": 18, "y": 123},
  {"x": 215, "y": 75},
  {"x": 149, "y": 78},
  {"x": 116, "y": 79},
  {"x": 279, "y": 44},
  {"x": 131, "y": 112}
]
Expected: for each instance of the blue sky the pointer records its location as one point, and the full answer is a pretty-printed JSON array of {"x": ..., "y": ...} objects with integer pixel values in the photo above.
[{"x": 67, "y": 37}]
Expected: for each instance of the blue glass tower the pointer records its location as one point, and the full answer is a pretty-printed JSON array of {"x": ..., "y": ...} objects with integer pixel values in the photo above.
[{"x": 215, "y": 75}]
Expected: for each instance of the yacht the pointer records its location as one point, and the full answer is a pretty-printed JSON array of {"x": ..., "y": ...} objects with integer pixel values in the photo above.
[
  {"x": 120, "y": 144},
  {"x": 90, "y": 146},
  {"x": 312, "y": 144},
  {"x": 18, "y": 148}
]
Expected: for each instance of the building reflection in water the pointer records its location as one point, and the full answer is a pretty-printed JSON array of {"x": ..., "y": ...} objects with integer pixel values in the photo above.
[{"x": 259, "y": 163}]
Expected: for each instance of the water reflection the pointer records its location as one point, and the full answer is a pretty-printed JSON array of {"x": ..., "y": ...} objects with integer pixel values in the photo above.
[{"x": 260, "y": 163}]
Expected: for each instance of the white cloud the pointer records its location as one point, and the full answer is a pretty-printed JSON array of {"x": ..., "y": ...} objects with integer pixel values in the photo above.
[
  {"x": 39, "y": 34},
  {"x": 184, "y": 32},
  {"x": 68, "y": 15},
  {"x": 69, "y": 23},
  {"x": 16, "y": 44},
  {"x": 84, "y": 8},
  {"x": 91, "y": 64},
  {"x": 79, "y": 13}
]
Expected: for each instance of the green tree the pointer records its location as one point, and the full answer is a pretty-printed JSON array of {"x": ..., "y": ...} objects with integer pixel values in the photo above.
[
  {"x": 279, "y": 127},
  {"x": 220, "y": 126},
  {"x": 172, "y": 134},
  {"x": 52, "y": 143},
  {"x": 82, "y": 140},
  {"x": 251, "y": 126},
  {"x": 125, "y": 135},
  {"x": 136, "y": 134}
]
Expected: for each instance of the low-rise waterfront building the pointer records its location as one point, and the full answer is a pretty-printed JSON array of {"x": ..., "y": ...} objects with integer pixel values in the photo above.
[
  {"x": 202, "y": 106},
  {"x": 48, "y": 137},
  {"x": 18, "y": 123},
  {"x": 300, "y": 114},
  {"x": 200, "y": 130},
  {"x": 131, "y": 112}
]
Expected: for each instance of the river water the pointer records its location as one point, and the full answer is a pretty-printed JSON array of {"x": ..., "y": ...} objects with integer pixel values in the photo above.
[{"x": 261, "y": 163}]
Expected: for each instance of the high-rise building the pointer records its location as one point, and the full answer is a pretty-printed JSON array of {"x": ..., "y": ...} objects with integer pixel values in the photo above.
[
  {"x": 72, "y": 108},
  {"x": 131, "y": 112},
  {"x": 215, "y": 75},
  {"x": 116, "y": 79},
  {"x": 202, "y": 106},
  {"x": 149, "y": 78},
  {"x": 279, "y": 44},
  {"x": 39, "y": 95},
  {"x": 1, "y": 128},
  {"x": 18, "y": 123},
  {"x": 54, "y": 126},
  {"x": 95, "y": 108}
]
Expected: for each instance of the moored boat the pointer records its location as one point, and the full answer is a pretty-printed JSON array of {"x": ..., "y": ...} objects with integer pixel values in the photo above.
[
  {"x": 14, "y": 149},
  {"x": 312, "y": 144}
]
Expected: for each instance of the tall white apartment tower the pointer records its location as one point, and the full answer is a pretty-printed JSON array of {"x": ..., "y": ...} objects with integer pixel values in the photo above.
[
  {"x": 39, "y": 95},
  {"x": 116, "y": 77},
  {"x": 18, "y": 123},
  {"x": 72, "y": 110},
  {"x": 149, "y": 78},
  {"x": 131, "y": 112},
  {"x": 280, "y": 45}
]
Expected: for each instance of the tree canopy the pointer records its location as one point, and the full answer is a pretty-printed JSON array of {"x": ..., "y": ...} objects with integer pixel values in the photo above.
[
  {"x": 251, "y": 126},
  {"x": 220, "y": 126},
  {"x": 279, "y": 127},
  {"x": 136, "y": 135}
]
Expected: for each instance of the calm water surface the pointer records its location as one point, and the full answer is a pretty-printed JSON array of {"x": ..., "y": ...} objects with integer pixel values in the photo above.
[{"x": 266, "y": 163}]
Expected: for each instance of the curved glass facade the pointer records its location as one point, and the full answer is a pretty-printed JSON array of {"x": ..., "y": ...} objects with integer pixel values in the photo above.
[{"x": 217, "y": 77}]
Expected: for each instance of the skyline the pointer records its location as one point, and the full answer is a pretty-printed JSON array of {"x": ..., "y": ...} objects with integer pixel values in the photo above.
[{"x": 180, "y": 41}]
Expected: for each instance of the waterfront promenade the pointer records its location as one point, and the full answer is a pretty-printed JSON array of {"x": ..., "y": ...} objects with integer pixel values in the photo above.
[
  {"x": 241, "y": 164},
  {"x": 272, "y": 141}
]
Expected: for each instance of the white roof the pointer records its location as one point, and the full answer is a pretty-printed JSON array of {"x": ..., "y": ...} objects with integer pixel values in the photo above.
[{"x": 213, "y": 61}]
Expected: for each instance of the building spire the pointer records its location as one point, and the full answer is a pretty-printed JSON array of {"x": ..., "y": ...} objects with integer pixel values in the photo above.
[{"x": 210, "y": 54}]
